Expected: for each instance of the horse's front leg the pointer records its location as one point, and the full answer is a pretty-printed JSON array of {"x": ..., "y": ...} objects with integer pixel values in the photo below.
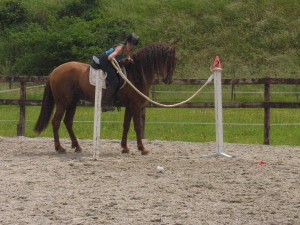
[
  {"x": 137, "y": 116},
  {"x": 126, "y": 126}
]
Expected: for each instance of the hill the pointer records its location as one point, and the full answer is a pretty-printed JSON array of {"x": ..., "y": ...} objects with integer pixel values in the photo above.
[{"x": 256, "y": 38}]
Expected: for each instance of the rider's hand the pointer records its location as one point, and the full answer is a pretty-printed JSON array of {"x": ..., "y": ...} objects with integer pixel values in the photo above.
[
  {"x": 126, "y": 61},
  {"x": 130, "y": 59}
]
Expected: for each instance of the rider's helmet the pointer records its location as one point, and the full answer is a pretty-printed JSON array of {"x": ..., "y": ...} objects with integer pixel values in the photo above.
[{"x": 133, "y": 39}]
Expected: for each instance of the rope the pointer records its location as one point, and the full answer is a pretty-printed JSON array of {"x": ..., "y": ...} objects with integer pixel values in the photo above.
[{"x": 118, "y": 68}]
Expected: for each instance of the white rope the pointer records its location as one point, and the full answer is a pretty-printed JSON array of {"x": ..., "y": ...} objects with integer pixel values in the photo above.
[{"x": 118, "y": 68}]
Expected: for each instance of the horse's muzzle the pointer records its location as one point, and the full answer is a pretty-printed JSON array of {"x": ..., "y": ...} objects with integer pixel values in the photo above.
[{"x": 167, "y": 79}]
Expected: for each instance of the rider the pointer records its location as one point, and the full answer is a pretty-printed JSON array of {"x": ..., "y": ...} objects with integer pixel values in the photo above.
[{"x": 120, "y": 53}]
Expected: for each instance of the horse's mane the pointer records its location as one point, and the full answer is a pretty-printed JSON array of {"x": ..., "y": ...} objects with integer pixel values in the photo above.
[{"x": 153, "y": 59}]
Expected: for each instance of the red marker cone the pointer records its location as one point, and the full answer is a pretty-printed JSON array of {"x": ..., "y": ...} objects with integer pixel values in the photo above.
[
  {"x": 262, "y": 163},
  {"x": 217, "y": 63}
]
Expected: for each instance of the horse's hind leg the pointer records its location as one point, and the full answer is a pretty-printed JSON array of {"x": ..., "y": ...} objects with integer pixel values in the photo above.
[
  {"x": 126, "y": 126},
  {"x": 60, "y": 110},
  {"x": 68, "y": 121}
]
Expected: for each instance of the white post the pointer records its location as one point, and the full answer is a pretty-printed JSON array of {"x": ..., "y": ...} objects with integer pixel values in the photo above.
[
  {"x": 217, "y": 69},
  {"x": 97, "y": 116},
  {"x": 218, "y": 109}
]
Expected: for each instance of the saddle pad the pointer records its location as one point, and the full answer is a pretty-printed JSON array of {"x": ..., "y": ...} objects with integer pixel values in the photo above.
[{"x": 94, "y": 73}]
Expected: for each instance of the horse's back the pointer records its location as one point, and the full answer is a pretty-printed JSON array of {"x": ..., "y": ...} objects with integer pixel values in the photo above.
[
  {"x": 66, "y": 80},
  {"x": 70, "y": 70}
]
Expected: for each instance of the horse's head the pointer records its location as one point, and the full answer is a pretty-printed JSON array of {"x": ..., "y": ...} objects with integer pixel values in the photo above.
[{"x": 169, "y": 67}]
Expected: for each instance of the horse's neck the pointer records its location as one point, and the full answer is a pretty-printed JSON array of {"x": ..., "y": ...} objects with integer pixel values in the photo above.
[
  {"x": 142, "y": 77},
  {"x": 140, "y": 80},
  {"x": 149, "y": 80}
]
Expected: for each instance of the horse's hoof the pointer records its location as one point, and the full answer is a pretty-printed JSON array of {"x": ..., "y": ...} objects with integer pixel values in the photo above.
[
  {"x": 61, "y": 150},
  {"x": 125, "y": 150},
  {"x": 78, "y": 149},
  {"x": 145, "y": 152}
]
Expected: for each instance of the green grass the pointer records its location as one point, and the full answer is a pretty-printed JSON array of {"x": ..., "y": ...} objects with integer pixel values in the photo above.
[
  {"x": 195, "y": 125},
  {"x": 171, "y": 125}
]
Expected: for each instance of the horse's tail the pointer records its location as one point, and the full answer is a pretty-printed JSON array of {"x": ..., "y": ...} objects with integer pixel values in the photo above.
[{"x": 46, "y": 110}]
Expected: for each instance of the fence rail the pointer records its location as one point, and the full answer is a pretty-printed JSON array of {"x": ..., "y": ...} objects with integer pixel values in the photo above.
[
  {"x": 40, "y": 80},
  {"x": 266, "y": 104}
]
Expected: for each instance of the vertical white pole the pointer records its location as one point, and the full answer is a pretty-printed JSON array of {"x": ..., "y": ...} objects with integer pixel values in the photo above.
[
  {"x": 218, "y": 109},
  {"x": 217, "y": 69},
  {"x": 97, "y": 117}
]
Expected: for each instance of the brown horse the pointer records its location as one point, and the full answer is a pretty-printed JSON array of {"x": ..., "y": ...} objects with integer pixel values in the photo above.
[{"x": 69, "y": 83}]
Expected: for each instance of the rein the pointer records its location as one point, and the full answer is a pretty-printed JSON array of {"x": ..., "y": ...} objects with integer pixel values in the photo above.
[{"x": 118, "y": 68}]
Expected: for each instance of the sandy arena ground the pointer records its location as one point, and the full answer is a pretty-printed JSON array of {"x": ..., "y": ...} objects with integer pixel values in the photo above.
[{"x": 39, "y": 186}]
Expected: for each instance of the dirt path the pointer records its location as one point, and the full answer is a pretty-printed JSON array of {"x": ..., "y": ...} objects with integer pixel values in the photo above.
[{"x": 38, "y": 186}]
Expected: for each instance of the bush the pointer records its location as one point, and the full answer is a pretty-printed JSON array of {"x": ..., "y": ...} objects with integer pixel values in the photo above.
[
  {"x": 36, "y": 50},
  {"x": 12, "y": 13},
  {"x": 79, "y": 8},
  {"x": 251, "y": 37}
]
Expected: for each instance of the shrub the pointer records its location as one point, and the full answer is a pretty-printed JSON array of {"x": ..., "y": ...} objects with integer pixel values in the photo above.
[{"x": 12, "y": 13}]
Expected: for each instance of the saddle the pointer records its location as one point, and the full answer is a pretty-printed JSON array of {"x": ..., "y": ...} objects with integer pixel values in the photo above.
[{"x": 96, "y": 65}]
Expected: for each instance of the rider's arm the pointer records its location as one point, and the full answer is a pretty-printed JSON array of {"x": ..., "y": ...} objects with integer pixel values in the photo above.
[{"x": 118, "y": 51}]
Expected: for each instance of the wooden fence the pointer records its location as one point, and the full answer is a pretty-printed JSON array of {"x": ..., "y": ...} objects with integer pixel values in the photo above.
[{"x": 267, "y": 104}]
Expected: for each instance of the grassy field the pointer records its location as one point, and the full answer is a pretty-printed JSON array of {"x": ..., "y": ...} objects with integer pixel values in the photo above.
[{"x": 195, "y": 125}]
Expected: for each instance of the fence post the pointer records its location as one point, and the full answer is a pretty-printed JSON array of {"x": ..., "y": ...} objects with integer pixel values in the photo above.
[
  {"x": 233, "y": 86},
  {"x": 153, "y": 92},
  {"x": 267, "y": 113},
  {"x": 21, "y": 124},
  {"x": 297, "y": 95},
  {"x": 10, "y": 82},
  {"x": 143, "y": 122}
]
